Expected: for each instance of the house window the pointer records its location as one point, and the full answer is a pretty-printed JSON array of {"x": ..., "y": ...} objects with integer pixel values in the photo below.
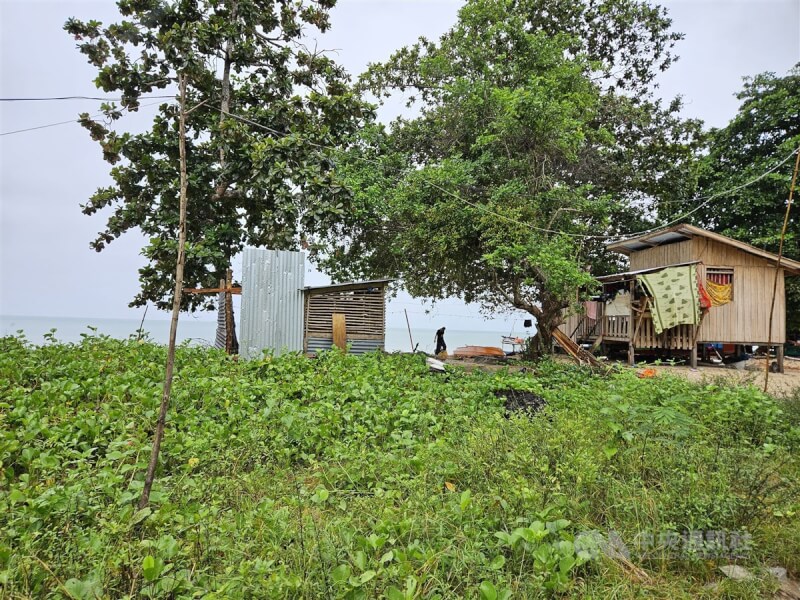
[{"x": 721, "y": 276}]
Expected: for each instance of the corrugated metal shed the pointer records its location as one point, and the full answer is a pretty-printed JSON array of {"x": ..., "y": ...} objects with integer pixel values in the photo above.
[{"x": 272, "y": 301}]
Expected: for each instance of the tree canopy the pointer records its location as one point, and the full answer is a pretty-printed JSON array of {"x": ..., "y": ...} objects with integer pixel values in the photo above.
[
  {"x": 523, "y": 156},
  {"x": 263, "y": 177},
  {"x": 764, "y": 133}
]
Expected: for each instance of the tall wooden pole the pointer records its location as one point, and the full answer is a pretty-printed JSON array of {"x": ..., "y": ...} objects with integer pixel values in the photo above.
[
  {"x": 779, "y": 356},
  {"x": 231, "y": 347},
  {"x": 176, "y": 304},
  {"x": 222, "y": 186}
]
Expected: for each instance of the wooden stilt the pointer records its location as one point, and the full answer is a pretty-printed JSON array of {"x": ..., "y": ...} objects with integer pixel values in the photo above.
[
  {"x": 695, "y": 336},
  {"x": 631, "y": 328},
  {"x": 231, "y": 345},
  {"x": 779, "y": 357}
]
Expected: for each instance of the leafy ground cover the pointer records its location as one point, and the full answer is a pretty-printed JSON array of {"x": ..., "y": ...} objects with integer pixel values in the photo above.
[{"x": 368, "y": 477}]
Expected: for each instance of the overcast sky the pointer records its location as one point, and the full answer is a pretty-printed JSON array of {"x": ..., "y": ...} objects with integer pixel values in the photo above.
[{"x": 46, "y": 266}]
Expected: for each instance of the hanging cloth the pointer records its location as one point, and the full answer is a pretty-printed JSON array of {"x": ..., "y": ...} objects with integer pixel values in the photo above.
[
  {"x": 221, "y": 334},
  {"x": 620, "y": 306},
  {"x": 590, "y": 307},
  {"x": 674, "y": 296},
  {"x": 720, "y": 293},
  {"x": 705, "y": 299}
]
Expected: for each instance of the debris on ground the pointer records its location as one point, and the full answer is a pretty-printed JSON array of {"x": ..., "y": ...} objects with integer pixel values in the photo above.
[
  {"x": 789, "y": 588},
  {"x": 521, "y": 401},
  {"x": 435, "y": 365},
  {"x": 736, "y": 572}
]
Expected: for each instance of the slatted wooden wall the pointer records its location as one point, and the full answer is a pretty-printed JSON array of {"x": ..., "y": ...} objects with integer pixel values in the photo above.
[
  {"x": 746, "y": 319},
  {"x": 662, "y": 256},
  {"x": 365, "y": 314}
]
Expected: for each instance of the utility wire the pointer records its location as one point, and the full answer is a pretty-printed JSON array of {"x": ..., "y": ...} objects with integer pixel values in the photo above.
[
  {"x": 55, "y": 98},
  {"x": 705, "y": 201},
  {"x": 99, "y": 114},
  {"x": 43, "y": 126}
]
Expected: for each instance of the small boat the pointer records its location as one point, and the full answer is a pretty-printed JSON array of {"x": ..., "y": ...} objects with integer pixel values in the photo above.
[
  {"x": 475, "y": 351},
  {"x": 516, "y": 343}
]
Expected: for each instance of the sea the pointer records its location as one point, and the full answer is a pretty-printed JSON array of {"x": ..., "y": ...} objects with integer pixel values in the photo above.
[{"x": 40, "y": 330}]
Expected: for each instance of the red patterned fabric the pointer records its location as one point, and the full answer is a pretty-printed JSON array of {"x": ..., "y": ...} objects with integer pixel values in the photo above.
[{"x": 705, "y": 299}]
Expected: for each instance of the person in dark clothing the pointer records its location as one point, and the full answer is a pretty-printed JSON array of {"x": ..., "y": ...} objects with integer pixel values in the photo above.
[{"x": 440, "y": 345}]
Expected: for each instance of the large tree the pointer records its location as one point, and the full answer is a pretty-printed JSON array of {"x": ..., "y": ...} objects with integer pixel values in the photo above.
[
  {"x": 267, "y": 111},
  {"x": 523, "y": 155},
  {"x": 749, "y": 150}
]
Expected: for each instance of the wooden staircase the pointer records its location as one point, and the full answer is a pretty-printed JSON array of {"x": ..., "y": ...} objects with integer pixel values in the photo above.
[{"x": 581, "y": 356}]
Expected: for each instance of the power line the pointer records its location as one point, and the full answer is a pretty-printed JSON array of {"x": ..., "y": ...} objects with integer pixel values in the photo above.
[
  {"x": 705, "y": 200},
  {"x": 41, "y": 127},
  {"x": 99, "y": 114},
  {"x": 57, "y": 98}
]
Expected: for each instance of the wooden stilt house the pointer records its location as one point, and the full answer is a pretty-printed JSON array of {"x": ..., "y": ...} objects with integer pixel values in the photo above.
[
  {"x": 734, "y": 280},
  {"x": 345, "y": 314}
]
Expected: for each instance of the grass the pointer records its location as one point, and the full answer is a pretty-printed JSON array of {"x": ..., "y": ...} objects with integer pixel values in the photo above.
[{"x": 368, "y": 477}]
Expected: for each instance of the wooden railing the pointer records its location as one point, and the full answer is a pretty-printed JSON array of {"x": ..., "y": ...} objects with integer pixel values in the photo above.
[
  {"x": 610, "y": 328},
  {"x": 588, "y": 329},
  {"x": 617, "y": 328}
]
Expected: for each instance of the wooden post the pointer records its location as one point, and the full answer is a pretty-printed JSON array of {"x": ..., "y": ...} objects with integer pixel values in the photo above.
[
  {"x": 779, "y": 357},
  {"x": 408, "y": 324},
  {"x": 631, "y": 348},
  {"x": 695, "y": 336},
  {"x": 778, "y": 270},
  {"x": 339, "y": 331},
  {"x": 230, "y": 331},
  {"x": 176, "y": 303}
]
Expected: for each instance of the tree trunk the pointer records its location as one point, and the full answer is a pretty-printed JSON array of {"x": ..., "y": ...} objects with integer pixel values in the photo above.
[
  {"x": 548, "y": 319},
  {"x": 231, "y": 344},
  {"x": 549, "y": 315},
  {"x": 176, "y": 307}
]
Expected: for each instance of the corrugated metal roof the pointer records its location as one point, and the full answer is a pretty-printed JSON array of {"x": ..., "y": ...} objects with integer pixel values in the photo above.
[
  {"x": 347, "y": 285},
  {"x": 630, "y": 274},
  {"x": 356, "y": 346},
  {"x": 272, "y": 303},
  {"x": 685, "y": 231}
]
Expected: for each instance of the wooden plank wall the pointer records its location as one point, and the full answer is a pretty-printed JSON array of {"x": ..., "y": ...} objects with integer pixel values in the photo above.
[
  {"x": 743, "y": 321},
  {"x": 746, "y": 319},
  {"x": 662, "y": 256},
  {"x": 714, "y": 254},
  {"x": 364, "y": 314}
]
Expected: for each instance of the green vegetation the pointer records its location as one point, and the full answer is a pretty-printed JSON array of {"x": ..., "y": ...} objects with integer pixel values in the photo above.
[
  {"x": 517, "y": 145},
  {"x": 368, "y": 477},
  {"x": 761, "y": 136},
  {"x": 261, "y": 178}
]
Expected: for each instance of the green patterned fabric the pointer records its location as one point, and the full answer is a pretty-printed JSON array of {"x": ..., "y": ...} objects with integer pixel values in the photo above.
[{"x": 674, "y": 297}]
